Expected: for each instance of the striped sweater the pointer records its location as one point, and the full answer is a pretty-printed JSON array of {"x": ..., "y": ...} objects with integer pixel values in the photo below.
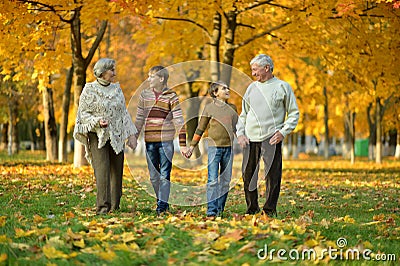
[{"x": 161, "y": 116}]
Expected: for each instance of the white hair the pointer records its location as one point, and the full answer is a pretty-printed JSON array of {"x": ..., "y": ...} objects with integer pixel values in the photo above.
[
  {"x": 262, "y": 60},
  {"x": 102, "y": 66}
]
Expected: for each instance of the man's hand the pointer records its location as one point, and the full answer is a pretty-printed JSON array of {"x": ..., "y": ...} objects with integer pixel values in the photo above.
[
  {"x": 276, "y": 138},
  {"x": 132, "y": 142},
  {"x": 243, "y": 141}
]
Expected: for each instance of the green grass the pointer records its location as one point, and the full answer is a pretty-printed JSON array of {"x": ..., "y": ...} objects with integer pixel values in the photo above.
[{"x": 45, "y": 205}]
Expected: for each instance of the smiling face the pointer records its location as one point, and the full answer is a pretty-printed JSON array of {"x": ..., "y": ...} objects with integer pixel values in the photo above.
[
  {"x": 261, "y": 73},
  {"x": 109, "y": 75},
  {"x": 222, "y": 93},
  {"x": 155, "y": 82}
]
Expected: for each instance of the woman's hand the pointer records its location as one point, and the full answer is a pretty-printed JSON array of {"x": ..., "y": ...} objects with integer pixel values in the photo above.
[{"x": 103, "y": 123}]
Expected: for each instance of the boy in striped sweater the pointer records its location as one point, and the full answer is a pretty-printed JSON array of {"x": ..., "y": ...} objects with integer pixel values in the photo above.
[{"x": 160, "y": 114}]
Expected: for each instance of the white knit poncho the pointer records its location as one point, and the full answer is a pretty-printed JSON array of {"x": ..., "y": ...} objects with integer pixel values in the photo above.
[{"x": 103, "y": 102}]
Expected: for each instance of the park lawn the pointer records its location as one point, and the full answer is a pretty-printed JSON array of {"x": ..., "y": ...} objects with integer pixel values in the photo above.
[{"x": 329, "y": 211}]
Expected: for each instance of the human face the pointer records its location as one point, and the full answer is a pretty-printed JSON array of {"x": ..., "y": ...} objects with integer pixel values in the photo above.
[
  {"x": 222, "y": 93},
  {"x": 109, "y": 75},
  {"x": 156, "y": 82},
  {"x": 260, "y": 73}
]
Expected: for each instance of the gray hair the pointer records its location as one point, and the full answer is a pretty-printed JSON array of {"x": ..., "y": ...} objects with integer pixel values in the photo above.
[
  {"x": 102, "y": 66},
  {"x": 262, "y": 60}
]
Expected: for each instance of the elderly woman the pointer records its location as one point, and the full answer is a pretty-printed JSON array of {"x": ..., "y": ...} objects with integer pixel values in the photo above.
[{"x": 103, "y": 124}]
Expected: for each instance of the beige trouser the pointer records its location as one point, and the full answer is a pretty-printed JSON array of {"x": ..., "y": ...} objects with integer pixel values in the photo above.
[{"x": 108, "y": 170}]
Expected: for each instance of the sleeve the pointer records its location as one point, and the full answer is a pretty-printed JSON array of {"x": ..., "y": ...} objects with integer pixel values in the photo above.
[
  {"x": 202, "y": 126},
  {"x": 234, "y": 117},
  {"x": 140, "y": 115},
  {"x": 241, "y": 123},
  {"x": 292, "y": 111},
  {"x": 129, "y": 126},
  {"x": 178, "y": 120},
  {"x": 85, "y": 118}
]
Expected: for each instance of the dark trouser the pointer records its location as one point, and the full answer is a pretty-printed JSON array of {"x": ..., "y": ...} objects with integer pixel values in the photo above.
[
  {"x": 108, "y": 170},
  {"x": 272, "y": 157}
]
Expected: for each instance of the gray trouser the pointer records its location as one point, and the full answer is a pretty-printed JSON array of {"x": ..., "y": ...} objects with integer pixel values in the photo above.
[{"x": 108, "y": 169}]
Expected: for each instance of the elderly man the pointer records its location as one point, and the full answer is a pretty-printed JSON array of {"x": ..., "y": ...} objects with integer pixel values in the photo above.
[{"x": 269, "y": 113}]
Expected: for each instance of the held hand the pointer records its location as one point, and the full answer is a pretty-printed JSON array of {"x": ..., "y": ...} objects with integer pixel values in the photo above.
[
  {"x": 184, "y": 151},
  {"x": 276, "y": 138},
  {"x": 132, "y": 142},
  {"x": 189, "y": 152},
  {"x": 243, "y": 141},
  {"x": 103, "y": 123}
]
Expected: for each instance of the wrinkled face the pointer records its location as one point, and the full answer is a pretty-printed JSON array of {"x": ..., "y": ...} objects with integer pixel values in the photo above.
[
  {"x": 222, "y": 93},
  {"x": 109, "y": 75},
  {"x": 259, "y": 72},
  {"x": 155, "y": 82}
]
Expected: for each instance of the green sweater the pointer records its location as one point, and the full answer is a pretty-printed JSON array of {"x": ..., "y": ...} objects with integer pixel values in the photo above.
[{"x": 221, "y": 118}]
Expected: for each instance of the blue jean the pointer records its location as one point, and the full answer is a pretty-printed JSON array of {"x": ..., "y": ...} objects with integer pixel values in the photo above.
[
  {"x": 159, "y": 162},
  {"x": 219, "y": 158}
]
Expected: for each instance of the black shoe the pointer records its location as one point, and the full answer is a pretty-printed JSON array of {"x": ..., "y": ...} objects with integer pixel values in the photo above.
[
  {"x": 253, "y": 211},
  {"x": 270, "y": 213},
  {"x": 102, "y": 212},
  {"x": 160, "y": 212}
]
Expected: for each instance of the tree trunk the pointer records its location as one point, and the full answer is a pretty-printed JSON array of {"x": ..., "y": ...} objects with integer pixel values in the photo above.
[
  {"x": 193, "y": 111},
  {"x": 326, "y": 118},
  {"x": 352, "y": 137},
  {"x": 12, "y": 126},
  {"x": 229, "y": 52},
  {"x": 286, "y": 143},
  {"x": 62, "y": 142},
  {"x": 214, "y": 47},
  {"x": 50, "y": 126},
  {"x": 295, "y": 147},
  {"x": 4, "y": 136},
  {"x": 372, "y": 132},
  {"x": 80, "y": 64},
  {"x": 397, "y": 152},
  {"x": 378, "y": 121},
  {"x": 350, "y": 132}
]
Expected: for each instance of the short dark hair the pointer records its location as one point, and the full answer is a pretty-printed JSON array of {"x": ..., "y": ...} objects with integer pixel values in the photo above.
[
  {"x": 214, "y": 87},
  {"x": 161, "y": 72}
]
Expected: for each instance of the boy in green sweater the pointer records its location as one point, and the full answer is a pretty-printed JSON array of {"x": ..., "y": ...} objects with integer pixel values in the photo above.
[{"x": 221, "y": 117}]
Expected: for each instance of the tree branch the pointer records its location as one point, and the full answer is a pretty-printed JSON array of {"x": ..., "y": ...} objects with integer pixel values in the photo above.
[
  {"x": 96, "y": 43},
  {"x": 247, "y": 26},
  {"x": 185, "y": 20},
  {"x": 260, "y": 3},
  {"x": 49, "y": 8},
  {"x": 261, "y": 34}
]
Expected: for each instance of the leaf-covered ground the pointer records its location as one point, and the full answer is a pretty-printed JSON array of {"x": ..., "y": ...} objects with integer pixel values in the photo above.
[{"x": 329, "y": 211}]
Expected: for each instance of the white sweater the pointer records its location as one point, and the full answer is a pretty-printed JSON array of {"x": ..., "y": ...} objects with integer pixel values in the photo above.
[{"x": 264, "y": 109}]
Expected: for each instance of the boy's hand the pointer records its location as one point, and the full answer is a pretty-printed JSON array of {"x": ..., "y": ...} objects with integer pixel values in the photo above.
[
  {"x": 132, "y": 142},
  {"x": 243, "y": 141},
  {"x": 189, "y": 152}
]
